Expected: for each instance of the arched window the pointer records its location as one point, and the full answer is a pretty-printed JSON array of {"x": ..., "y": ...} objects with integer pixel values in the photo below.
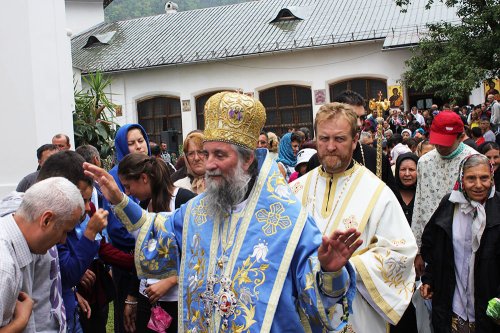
[
  {"x": 287, "y": 107},
  {"x": 200, "y": 108},
  {"x": 160, "y": 114},
  {"x": 366, "y": 87}
]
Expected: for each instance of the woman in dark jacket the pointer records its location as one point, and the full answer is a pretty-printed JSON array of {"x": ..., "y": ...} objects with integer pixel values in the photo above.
[
  {"x": 406, "y": 182},
  {"x": 461, "y": 246}
]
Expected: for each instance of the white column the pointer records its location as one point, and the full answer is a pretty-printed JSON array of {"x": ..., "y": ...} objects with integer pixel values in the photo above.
[{"x": 36, "y": 87}]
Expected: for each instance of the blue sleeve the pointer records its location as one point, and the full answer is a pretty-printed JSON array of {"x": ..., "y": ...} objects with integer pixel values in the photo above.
[
  {"x": 120, "y": 237},
  {"x": 312, "y": 299},
  {"x": 75, "y": 258},
  {"x": 157, "y": 251}
]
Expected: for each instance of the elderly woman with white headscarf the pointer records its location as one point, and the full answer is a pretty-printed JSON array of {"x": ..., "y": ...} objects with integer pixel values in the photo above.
[{"x": 461, "y": 246}]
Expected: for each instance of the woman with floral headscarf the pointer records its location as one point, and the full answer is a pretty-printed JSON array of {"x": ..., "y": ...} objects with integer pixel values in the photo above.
[{"x": 461, "y": 246}]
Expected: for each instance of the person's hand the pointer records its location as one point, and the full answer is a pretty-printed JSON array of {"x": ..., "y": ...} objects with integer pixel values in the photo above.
[
  {"x": 84, "y": 305},
  {"x": 106, "y": 182},
  {"x": 336, "y": 250},
  {"x": 419, "y": 265},
  {"x": 23, "y": 309},
  {"x": 157, "y": 290},
  {"x": 426, "y": 291},
  {"x": 129, "y": 315},
  {"x": 88, "y": 279},
  {"x": 97, "y": 222}
]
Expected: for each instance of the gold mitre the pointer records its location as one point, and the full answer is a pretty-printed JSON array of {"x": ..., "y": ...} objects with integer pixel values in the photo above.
[{"x": 234, "y": 118}]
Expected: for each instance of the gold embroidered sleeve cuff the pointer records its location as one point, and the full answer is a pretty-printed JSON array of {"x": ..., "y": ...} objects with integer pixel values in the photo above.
[
  {"x": 130, "y": 214},
  {"x": 334, "y": 284}
]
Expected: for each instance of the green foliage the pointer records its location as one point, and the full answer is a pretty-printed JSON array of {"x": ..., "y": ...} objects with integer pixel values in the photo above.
[
  {"x": 93, "y": 117},
  {"x": 455, "y": 58},
  {"x": 127, "y": 9}
]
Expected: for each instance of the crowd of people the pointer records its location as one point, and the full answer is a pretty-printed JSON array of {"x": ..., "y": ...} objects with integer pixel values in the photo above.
[{"x": 250, "y": 231}]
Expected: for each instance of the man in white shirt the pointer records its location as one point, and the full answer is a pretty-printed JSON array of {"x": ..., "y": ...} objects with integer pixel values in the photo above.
[{"x": 418, "y": 116}]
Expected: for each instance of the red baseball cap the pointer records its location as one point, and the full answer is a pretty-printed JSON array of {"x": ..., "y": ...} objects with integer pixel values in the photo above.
[{"x": 445, "y": 127}]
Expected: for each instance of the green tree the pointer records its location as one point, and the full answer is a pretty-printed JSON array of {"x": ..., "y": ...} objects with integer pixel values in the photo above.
[
  {"x": 454, "y": 58},
  {"x": 93, "y": 118}
]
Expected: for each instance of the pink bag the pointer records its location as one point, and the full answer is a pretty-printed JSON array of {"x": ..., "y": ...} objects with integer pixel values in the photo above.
[{"x": 160, "y": 320}]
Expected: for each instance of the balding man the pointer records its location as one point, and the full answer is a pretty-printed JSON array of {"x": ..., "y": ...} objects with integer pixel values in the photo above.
[{"x": 61, "y": 141}]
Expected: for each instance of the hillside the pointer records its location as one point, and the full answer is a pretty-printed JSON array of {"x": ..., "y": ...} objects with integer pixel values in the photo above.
[{"x": 127, "y": 9}]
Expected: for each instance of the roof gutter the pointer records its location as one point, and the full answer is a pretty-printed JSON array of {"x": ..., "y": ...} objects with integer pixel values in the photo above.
[{"x": 304, "y": 48}]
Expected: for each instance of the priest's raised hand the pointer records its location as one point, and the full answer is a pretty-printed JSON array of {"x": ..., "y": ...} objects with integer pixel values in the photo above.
[
  {"x": 106, "y": 182},
  {"x": 336, "y": 250}
]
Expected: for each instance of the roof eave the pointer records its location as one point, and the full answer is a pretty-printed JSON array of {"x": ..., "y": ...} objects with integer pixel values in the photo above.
[{"x": 257, "y": 54}]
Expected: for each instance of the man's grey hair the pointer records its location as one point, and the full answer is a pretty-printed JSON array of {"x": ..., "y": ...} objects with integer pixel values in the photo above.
[
  {"x": 244, "y": 155},
  {"x": 365, "y": 136},
  {"x": 56, "y": 194},
  {"x": 88, "y": 152}
]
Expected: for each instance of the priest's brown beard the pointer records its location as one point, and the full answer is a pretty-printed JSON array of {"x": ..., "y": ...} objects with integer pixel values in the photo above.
[{"x": 222, "y": 195}]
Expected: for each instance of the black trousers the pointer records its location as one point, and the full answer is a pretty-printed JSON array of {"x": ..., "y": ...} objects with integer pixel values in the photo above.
[
  {"x": 97, "y": 321},
  {"x": 122, "y": 280}
]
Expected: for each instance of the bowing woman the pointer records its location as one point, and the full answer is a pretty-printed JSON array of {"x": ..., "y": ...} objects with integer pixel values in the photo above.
[
  {"x": 148, "y": 179},
  {"x": 461, "y": 246}
]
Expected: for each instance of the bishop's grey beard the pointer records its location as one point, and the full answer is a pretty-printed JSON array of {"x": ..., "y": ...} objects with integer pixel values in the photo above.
[{"x": 222, "y": 195}]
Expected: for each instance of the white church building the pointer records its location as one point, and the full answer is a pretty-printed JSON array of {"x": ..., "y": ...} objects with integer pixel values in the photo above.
[{"x": 293, "y": 55}]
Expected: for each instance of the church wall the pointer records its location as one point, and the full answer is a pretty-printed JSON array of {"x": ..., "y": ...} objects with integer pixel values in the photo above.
[
  {"x": 314, "y": 68},
  {"x": 36, "y": 87}
]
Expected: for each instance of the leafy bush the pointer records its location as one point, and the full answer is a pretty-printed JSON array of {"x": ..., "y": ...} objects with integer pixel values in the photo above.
[{"x": 93, "y": 118}]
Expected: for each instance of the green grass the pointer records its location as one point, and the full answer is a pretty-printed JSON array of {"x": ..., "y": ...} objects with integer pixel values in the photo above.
[{"x": 110, "y": 326}]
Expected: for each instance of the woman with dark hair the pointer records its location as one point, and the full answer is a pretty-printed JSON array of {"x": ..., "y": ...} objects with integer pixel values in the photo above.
[
  {"x": 148, "y": 179},
  {"x": 406, "y": 182},
  {"x": 492, "y": 151}
]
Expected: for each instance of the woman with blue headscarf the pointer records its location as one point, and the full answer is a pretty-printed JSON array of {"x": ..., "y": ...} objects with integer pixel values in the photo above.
[
  {"x": 287, "y": 154},
  {"x": 129, "y": 139}
]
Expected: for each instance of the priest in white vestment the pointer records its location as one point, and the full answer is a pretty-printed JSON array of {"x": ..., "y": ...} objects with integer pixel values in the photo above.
[{"x": 342, "y": 194}]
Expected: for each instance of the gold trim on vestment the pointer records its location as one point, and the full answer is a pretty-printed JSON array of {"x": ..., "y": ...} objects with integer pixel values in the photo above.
[
  {"x": 180, "y": 304},
  {"x": 151, "y": 219},
  {"x": 373, "y": 291},
  {"x": 306, "y": 325},
  {"x": 346, "y": 201},
  {"x": 329, "y": 197},
  {"x": 119, "y": 212},
  {"x": 370, "y": 206},
  {"x": 280, "y": 278},
  {"x": 321, "y": 308},
  {"x": 305, "y": 194}
]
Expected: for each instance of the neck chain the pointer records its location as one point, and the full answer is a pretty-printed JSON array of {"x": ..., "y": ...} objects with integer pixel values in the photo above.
[
  {"x": 362, "y": 154},
  {"x": 224, "y": 301},
  {"x": 336, "y": 202}
]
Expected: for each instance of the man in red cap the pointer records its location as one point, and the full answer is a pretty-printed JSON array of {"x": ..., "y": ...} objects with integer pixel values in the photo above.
[{"x": 437, "y": 172}]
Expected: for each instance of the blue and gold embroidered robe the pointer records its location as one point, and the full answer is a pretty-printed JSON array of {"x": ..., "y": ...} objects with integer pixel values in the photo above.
[{"x": 269, "y": 251}]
